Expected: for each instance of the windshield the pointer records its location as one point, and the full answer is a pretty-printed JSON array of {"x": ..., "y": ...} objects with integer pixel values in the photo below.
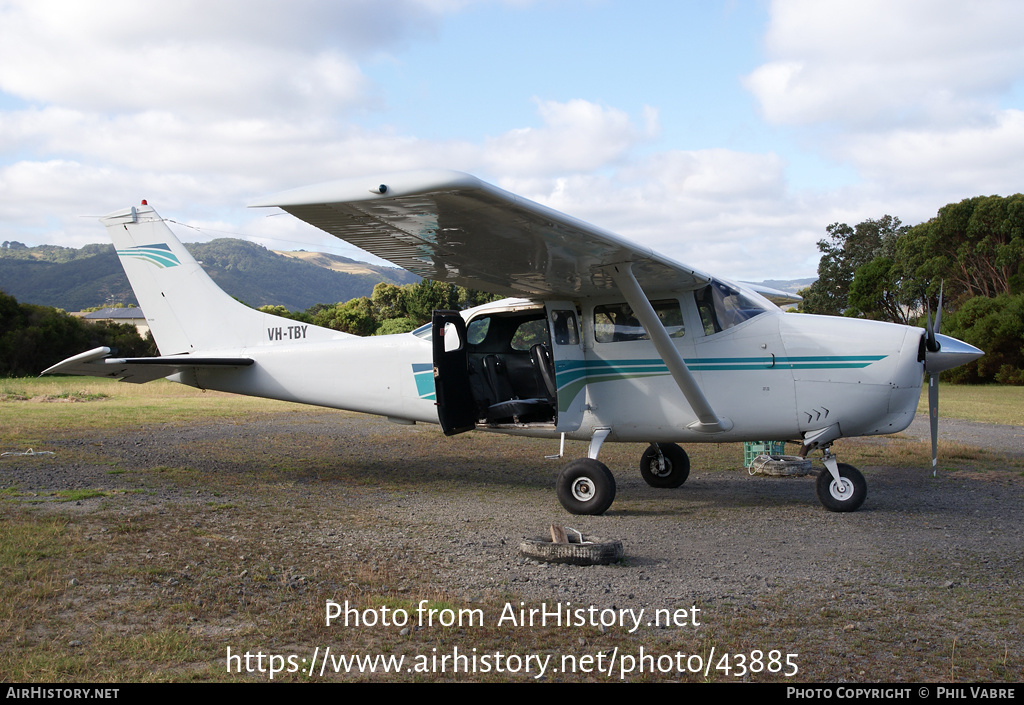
[{"x": 722, "y": 306}]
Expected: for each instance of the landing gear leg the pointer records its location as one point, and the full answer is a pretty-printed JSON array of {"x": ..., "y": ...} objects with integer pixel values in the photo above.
[
  {"x": 840, "y": 487},
  {"x": 586, "y": 485}
]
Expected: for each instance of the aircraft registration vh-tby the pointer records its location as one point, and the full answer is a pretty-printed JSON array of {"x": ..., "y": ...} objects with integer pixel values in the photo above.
[{"x": 606, "y": 340}]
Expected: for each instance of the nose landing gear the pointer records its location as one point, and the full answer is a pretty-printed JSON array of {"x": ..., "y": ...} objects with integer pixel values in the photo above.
[{"x": 840, "y": 487}]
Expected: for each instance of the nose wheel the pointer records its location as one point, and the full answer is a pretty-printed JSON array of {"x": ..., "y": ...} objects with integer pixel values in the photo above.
[{"x": 840, "y": 487}]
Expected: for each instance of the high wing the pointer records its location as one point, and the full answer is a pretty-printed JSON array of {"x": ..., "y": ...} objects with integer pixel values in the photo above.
[
  {"x": 137, "y": 370},
  {"x": 451, "y": 227}
]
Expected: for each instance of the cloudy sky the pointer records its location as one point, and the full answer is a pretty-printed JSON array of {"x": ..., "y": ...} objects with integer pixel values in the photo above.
[{"x": 726, "y": 134}]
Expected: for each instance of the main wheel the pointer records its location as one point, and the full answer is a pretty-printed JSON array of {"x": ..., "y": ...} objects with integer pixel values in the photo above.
[
  {"x": 586, "y": 486},
  {"x": 672, "y": 472},
  {"x": 846, "y": 496}
]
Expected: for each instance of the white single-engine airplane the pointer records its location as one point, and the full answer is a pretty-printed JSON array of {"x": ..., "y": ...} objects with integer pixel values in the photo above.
[{"x": 607, "y": 340}]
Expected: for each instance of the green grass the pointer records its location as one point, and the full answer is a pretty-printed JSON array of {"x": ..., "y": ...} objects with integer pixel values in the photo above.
[
  {"x": 986, "y": 404},
  {"x": 33, "y": 409},
  {"x": 78, "y": 495}
]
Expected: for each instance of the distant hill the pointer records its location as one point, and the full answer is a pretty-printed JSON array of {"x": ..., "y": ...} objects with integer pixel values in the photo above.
[
  {"x": 336, "y": 263},
  {"x": 73, "y": 279},
  {"x": 792, "y": 286}
]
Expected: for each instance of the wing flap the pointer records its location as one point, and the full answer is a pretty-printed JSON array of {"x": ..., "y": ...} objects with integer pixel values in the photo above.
[
  {"x": 452, "y": 227},
  {"x": 137, "y": 370}
]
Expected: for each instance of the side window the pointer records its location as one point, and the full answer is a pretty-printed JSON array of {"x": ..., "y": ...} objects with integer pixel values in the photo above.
[
  {"x": 477, "y": 330},
  {"x": 529, "y": 334},
  {"x": 614, "y": 323},
  {"x": 564, "y": 328}
]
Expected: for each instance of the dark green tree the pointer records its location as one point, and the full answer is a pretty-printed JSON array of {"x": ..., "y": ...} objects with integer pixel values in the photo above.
[
  {"x": 389, "y": 301},
  {"x": 354, "y": 317},
  {"x": 996, "y": 325},
  {"x": 33, "y": 338},
  {"x": 428, "y": 296},
  {"x": 975, "y": 247},
  {"x": 843, "y": 252},
  {"x": 302, "y": 316},
  {"x": 878, "y": 292}
]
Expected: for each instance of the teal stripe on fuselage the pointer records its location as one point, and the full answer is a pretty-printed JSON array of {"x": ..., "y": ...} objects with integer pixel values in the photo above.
[
  {"x": 423, "y": 373},
  {"x": 568, "y": 371},
  {"x": 571, "y": 376}
]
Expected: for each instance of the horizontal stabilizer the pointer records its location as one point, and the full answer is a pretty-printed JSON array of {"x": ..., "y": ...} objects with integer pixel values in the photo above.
[
  {"x": 776, "y": 296},
  {"x": 98, "y": 363}
]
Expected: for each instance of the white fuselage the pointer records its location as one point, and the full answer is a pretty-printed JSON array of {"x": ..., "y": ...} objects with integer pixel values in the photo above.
[{"x": 776, "y": 376}]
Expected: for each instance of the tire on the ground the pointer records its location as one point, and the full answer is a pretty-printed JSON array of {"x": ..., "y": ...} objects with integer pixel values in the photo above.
[
  {"x": 597, "y": 551},
  {"x": 781, "y": 465}
]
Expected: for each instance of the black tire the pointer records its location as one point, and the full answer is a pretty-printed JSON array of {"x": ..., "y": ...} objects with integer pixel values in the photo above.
[
  {"x": 596, "y": 552},
  {"x": 842, "y": 499},
  {"x": 675, "y": 472},
  {"x": 586, "y": 486}
]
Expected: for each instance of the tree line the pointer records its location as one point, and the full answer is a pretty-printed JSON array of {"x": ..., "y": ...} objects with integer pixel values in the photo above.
[
  {"x": 389, "y": 309},
  {"x": 973, "y": 250},
  {"x": 34, "y": 337}
]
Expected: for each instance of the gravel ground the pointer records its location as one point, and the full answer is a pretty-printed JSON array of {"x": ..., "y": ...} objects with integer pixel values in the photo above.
[
  {"x": 720, "y": 536},
  {"x": 725, "y": 541},
  {"x": 1008, "y": 440}
]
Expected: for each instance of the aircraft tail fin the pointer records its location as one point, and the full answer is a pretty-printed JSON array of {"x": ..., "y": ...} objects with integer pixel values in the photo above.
[{"x": 186, "y": 311}]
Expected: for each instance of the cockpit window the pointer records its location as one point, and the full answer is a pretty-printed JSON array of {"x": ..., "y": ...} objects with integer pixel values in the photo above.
[{"x": 722, "y": 307}]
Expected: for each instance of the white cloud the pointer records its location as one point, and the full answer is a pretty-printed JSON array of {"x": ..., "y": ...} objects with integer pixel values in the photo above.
[
  {"x": 577, "y": 135},
  {"x": 724, "y": 211},
  {"x": 719, "y": 210},
  {"x": 230, "y": 57},
  {"x": 202, "y": 109},
  {"x": 965, "y": 161},
  {"x": 909, "y": 94},
  {"x": 872, "y": 62}
]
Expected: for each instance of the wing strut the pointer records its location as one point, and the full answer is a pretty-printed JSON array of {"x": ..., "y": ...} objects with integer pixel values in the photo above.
[{"x": 708, "y": 421}]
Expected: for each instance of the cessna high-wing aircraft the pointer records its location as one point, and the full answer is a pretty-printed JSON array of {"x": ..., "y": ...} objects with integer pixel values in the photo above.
[{"x": 605, "y": 340}]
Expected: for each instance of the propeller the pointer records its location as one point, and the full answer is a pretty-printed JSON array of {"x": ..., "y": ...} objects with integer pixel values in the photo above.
[
  {"x": 941, "y": 353},
  {"x": 932, "y": 345}
]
